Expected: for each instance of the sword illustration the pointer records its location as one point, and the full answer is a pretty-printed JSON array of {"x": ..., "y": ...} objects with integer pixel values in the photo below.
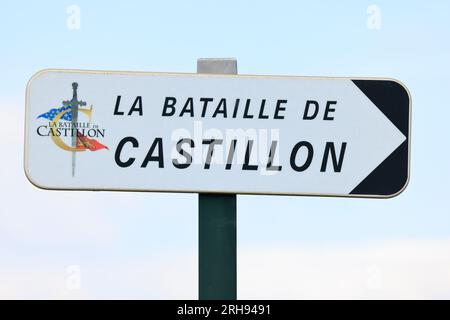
[{"x": 74, "y": 104}]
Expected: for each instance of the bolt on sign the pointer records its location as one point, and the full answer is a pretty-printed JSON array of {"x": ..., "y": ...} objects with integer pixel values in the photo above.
[{"x": 245, "y": 134}]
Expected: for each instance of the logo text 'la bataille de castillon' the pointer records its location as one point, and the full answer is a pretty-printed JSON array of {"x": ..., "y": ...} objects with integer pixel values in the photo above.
[{"x": 64, "y": 123}]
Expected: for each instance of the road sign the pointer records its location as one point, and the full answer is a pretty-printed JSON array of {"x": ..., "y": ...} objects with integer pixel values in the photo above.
[{"x": 217, "y": 133}]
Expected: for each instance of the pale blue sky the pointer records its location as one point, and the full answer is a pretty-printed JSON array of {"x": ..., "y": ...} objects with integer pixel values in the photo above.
[{"x": 324, "y": 38}]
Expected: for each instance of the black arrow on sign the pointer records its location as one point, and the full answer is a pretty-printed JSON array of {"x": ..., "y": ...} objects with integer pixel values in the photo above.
[{"x": 391, "y": 176}]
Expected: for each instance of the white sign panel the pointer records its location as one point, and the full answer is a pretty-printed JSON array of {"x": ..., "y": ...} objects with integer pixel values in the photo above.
[{"x": 95, "y": 130}]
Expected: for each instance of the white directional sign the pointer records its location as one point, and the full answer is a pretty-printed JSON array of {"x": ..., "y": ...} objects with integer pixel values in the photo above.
[{"x": 97, "y": 130}]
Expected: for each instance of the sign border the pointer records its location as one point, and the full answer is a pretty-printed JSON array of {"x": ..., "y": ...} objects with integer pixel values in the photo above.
[{"x": 145, "y": 73}]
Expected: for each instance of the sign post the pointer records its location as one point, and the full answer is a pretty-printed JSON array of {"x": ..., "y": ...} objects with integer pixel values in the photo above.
[
  {"x": 217, "y": 223},
  {"x": 218, "y": 134}
]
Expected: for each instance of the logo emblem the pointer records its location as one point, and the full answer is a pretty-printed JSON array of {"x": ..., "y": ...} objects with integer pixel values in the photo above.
[{"x": 67, "y": 132}]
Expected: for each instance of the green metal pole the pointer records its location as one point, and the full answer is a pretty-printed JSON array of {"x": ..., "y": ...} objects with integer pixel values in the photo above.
[
  {"x": 217, "y": 224},
  {"x": 217, "y": 246}
]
